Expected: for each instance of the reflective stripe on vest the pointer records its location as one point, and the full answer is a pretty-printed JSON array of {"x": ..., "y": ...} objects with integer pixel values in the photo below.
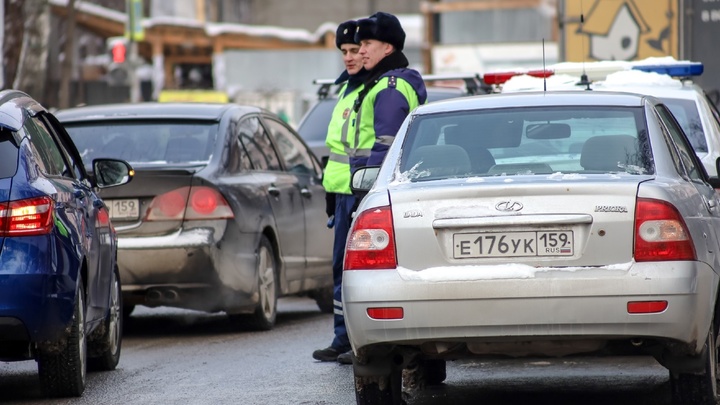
[{"x": 365, "y": 128}]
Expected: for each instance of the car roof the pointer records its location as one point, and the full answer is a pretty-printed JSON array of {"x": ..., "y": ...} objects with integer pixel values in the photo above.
[
  {"x": 12, "y": 103},
  {"x": 150, "y": 110},
  {"x": 534, "y": 99}
]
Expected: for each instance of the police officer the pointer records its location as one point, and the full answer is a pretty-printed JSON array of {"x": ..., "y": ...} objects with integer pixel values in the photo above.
[
  {"x": 336, "y": 178},
  {"x": 390, "y": 91}
]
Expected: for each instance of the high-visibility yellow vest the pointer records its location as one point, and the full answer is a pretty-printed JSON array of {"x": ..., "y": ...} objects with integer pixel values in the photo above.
[
  {"x": 365, "y": 131},
  {"x": 340, "y": 140}
]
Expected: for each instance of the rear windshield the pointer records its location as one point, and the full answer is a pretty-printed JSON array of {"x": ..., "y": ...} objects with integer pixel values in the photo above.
[
  {"x": 526, "y": 141},
  {"x": 686, "y": 113},
  {"x": 145, "y": 141},
  {"x": 314, "y": 125}
]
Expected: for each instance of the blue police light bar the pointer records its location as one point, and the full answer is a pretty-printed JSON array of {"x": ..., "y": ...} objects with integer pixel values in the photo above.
[{"x": 682, "y": 69}]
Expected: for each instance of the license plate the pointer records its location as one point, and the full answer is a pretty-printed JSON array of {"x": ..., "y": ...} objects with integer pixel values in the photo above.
[
  {"x": 513, "y": 244},
  {"x": 124, "y": 209}
]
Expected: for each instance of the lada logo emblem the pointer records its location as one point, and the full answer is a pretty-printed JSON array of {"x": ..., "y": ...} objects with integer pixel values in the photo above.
[{"x": 509, "y": 206}]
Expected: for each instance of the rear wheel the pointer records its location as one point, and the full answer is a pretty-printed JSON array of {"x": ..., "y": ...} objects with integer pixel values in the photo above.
[
  {"x": 423, "y": 373},
  {"x": 324, "y": 299},
  {"x": 379, "y": 389},
  {"x": 63, "y": 373},
  {"x": 105, "y": 349},
  {"x": 699, "y": 389},
  {"x": 266, "y": 311}
]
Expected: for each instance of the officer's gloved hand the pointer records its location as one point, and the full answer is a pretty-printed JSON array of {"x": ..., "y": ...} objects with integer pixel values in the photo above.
[{"x": 330, "y": 204}]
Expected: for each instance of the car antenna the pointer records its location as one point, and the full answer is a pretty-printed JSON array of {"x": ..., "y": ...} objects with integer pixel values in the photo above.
[
  {"x": 584, "y": 81},
  {"x": 544, "y": 75}
]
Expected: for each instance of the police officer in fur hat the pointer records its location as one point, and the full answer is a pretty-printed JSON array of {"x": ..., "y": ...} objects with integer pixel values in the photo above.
[
  {"x": 336, "y": 178},
  {"x": 390, "y": 91}
]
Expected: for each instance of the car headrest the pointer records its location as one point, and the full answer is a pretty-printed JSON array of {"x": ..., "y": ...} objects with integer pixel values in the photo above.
[
  {"x": 608, "y": 152},
  {"x": 440, "y": 160}
]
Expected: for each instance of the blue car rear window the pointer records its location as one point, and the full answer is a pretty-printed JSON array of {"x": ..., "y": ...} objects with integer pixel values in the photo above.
[{"x": 8, "y": 154}]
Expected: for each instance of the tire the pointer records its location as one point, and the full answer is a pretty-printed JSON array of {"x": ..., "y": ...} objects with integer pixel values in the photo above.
[
  {"x": 423, "y": 373},
  {"x": 266, "y": 312},
  {"x": 64, "y": 374},
  {"x": 104, "y": 350},
  {"x": 698, "y": 389},
  {"x": 379, "y": 390},
  {"x": 324, "y": 299},
  {"x": 435, "y": 371}
]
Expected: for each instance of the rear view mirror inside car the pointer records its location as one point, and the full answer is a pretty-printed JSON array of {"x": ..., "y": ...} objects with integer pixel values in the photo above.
[{"x": 547, "y": 131}]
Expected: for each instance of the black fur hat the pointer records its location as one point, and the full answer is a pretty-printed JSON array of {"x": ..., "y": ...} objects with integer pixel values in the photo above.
[
  {"x": 382, "y": 27},
  {"x": 345, "y": 33}
]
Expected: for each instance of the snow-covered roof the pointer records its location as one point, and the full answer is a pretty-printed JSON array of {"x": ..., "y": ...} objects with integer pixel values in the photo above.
[{"x": 211, "y": 29}]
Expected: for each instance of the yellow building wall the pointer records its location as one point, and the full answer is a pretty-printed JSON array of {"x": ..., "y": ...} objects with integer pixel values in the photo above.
[{"x": 620, "y": 29}]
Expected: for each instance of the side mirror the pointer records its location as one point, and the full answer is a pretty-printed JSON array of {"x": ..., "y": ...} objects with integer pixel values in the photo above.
[
  {"x": 112, "y": 172},
  {"x": 363, "y": 180},
  {"x": 714, "y": 182}
]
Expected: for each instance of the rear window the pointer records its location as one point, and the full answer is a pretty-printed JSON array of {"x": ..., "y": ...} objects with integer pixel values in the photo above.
[
  {"x": 526, "y": 141},
  {"x": 8, "y": 153},
  {"x": 145, "y": 141},
  {"x": 314, "y": 125}
]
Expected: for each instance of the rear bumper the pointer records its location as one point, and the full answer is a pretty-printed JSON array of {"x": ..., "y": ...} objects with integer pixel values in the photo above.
[
  {"x": 556, "y": 304},
  {"x": 196, "y": 260},
  {"x": 35, "y": 307}
]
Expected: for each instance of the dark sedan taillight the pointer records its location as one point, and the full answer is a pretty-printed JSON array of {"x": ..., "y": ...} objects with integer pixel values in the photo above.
[
  {"x": 33, "y": 216},
  {"x": 661, "y": 233},
  {"x": 190, "y": 203},
  {"x": 371, "y": 244}
]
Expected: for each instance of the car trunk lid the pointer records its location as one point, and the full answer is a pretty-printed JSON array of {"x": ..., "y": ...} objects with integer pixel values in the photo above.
[
  {"x": 528, "y": 222},
  {"x": 129, "y": 203}
]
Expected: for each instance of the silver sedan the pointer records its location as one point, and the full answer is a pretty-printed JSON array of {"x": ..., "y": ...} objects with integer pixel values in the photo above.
[{"x": 536, "y": 224}]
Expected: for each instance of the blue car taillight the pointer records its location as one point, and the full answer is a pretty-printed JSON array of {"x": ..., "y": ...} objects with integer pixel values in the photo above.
[{"x": 33, "y": 216}]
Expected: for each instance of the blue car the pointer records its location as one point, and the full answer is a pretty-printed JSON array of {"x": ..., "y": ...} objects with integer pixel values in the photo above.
[{"x": 60, "y": 301}]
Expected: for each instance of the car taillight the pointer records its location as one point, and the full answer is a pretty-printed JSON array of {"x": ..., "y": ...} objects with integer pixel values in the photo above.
[
  {"x": 371, "y": 244},
  {"x": 660, "y": 233},
  {"x": 190, "y": 203},
  {"x": 33, "y": 216}
]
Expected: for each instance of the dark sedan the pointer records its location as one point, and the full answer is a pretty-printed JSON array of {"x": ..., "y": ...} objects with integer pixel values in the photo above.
[
  {"x": 60, "y": 301},
  {"x": 226, "y": 213}
]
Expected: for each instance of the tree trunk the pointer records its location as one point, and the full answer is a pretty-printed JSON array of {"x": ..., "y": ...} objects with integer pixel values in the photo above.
[
  {"x": 68, "y": 52},
  {"x": 13, "y": 28},
  {"x": 30, "y": 75}
]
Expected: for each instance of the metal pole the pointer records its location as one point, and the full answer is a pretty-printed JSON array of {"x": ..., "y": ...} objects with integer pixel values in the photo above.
[{"x": 133, "y": 58}]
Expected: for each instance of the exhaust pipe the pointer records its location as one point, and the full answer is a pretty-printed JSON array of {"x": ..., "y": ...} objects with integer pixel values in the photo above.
[
  {"x": 636, "y": 342},
  {"x": 153, "y": 295},
  {"x": 171, "y": 294}
]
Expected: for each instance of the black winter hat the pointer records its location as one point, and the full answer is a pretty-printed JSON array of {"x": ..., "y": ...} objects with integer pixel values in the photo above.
[
  {"x": 382, "y": 27},
  {"x": 345, "y": 33}
]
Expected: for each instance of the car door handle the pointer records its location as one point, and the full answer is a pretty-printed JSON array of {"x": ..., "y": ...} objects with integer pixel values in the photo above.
[
  {"x": 305, "y": 192},
  {"x": 273, "y": 191},
  {"x": 711, "y": 204}
]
